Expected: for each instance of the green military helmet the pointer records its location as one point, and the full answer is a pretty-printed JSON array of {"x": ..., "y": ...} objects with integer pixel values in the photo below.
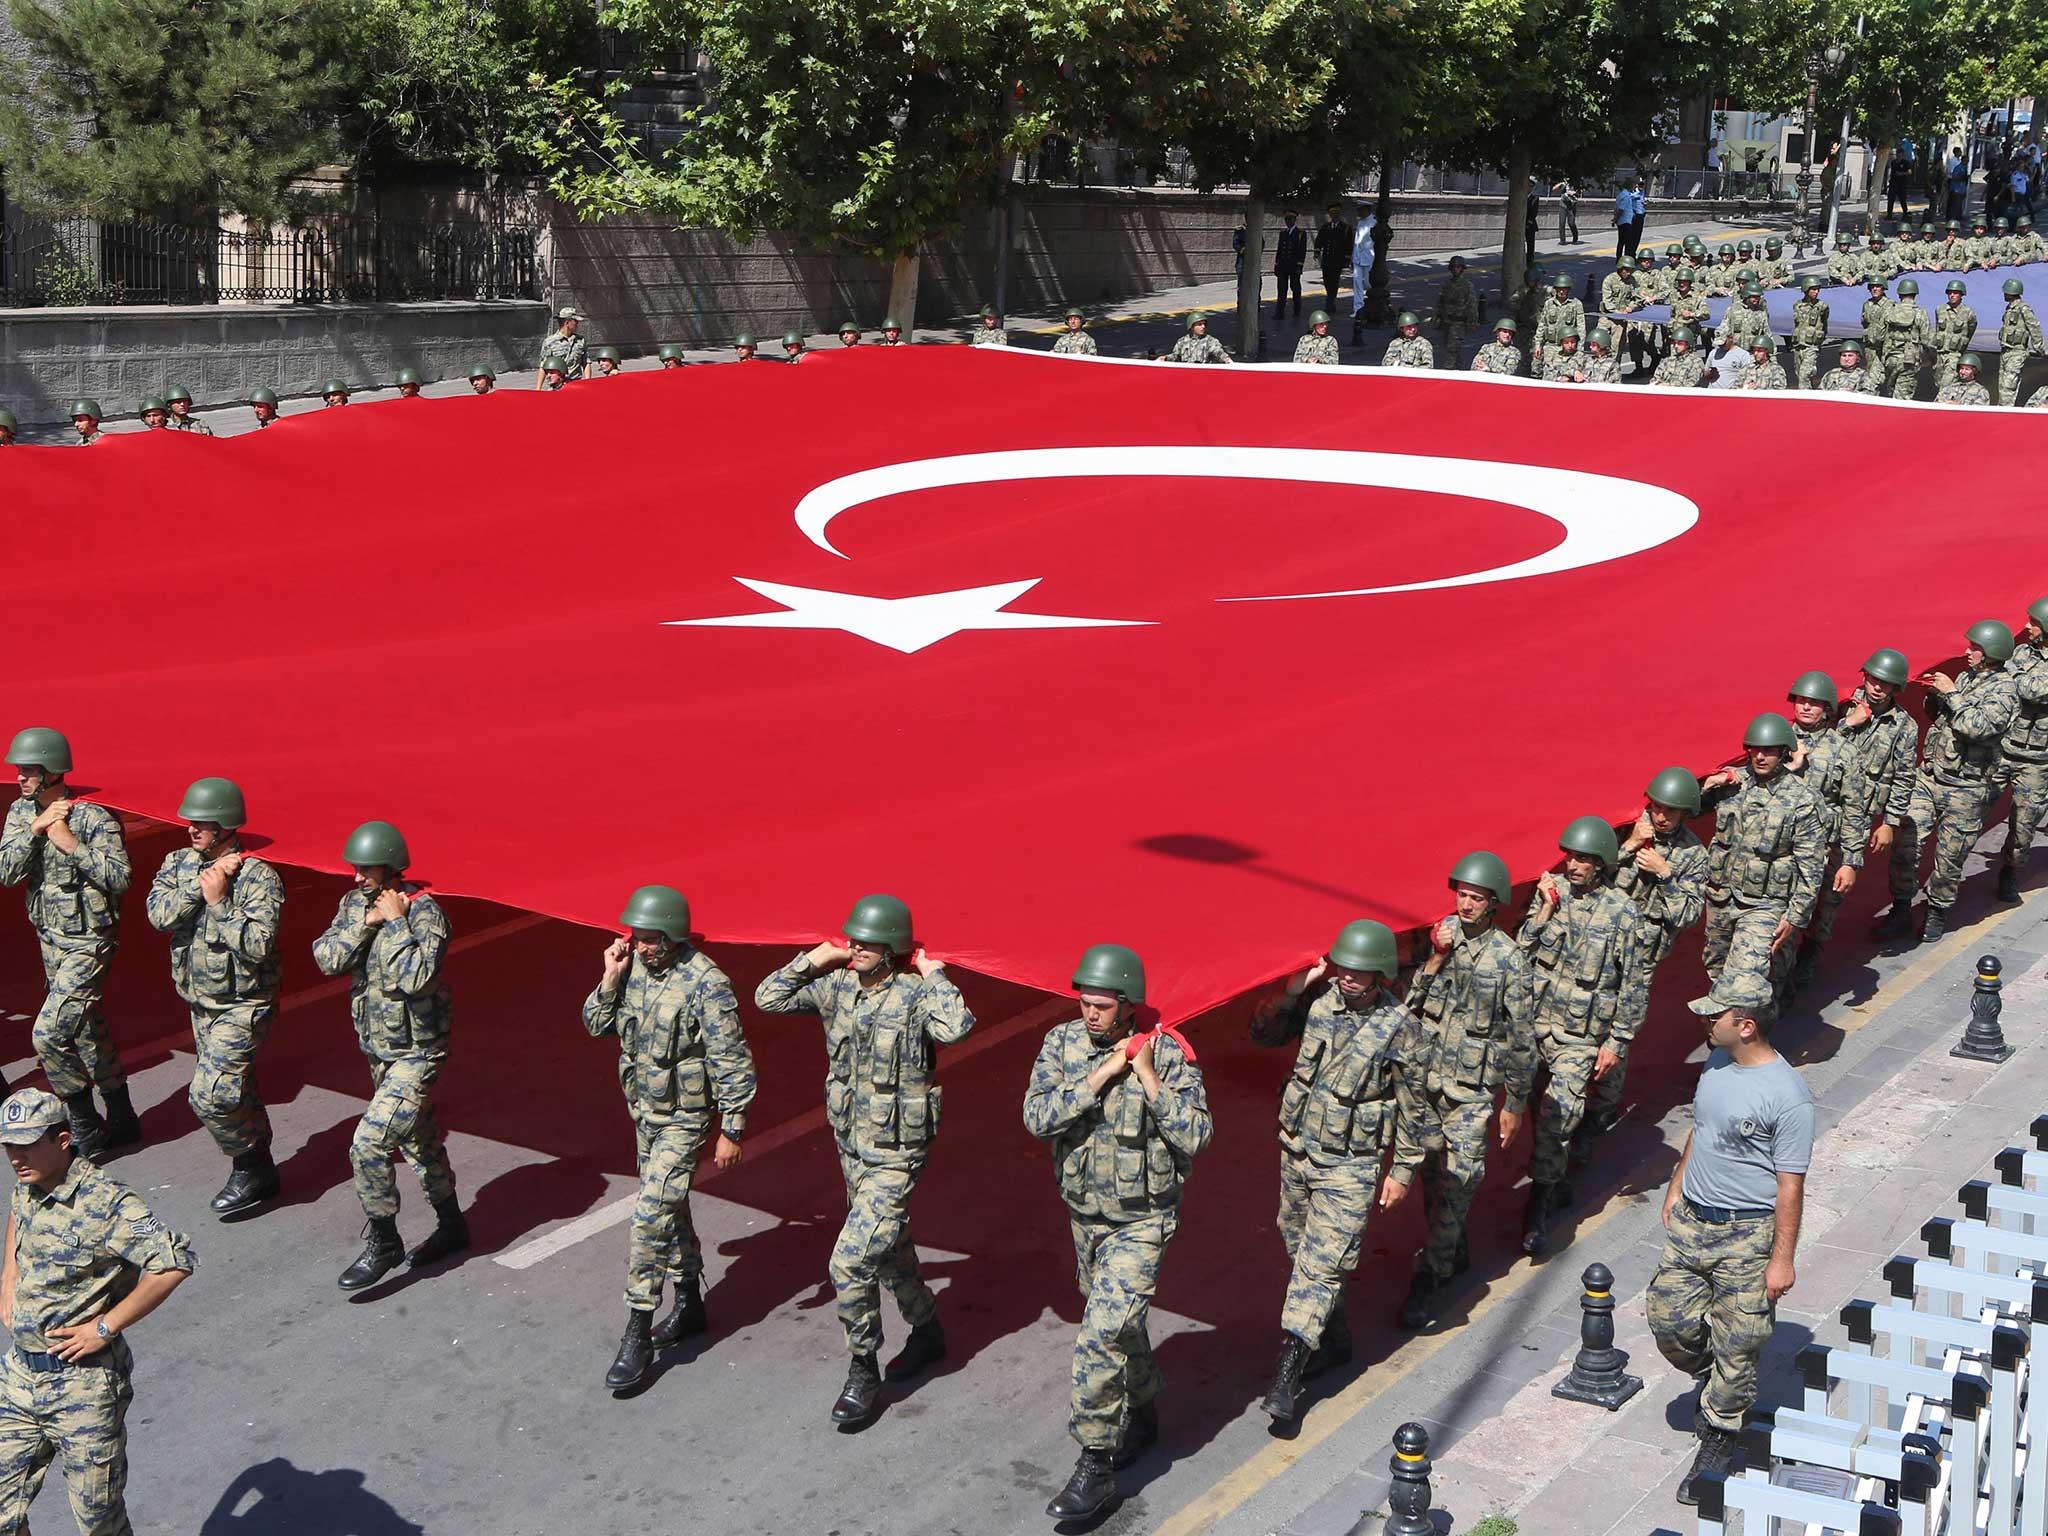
[
  {"x": 1842, "y": 240},
  {"x": 1677, "y": 788},
  {"x": 880, "y": 920},
  {"x": 1195, "y": 320},
  {"x": 2037, "y": 610},
  {"x": 155, "y": 403},
  {"x": 1774, "y": 244},
  {"x": 1876, "y": 238},
  {"x": 407, "y": 376},
  {"x": 2023, "y": 222},
  {"x": 40, "y": 747},
  {"x": 1366, "y": 946},
  {"x": 1318, "y": 317},
  {"x": 1908, "y": 288},
  {"x": 1111, "y": 968},
  {"x": 891, "y": 323},
  {"x": 1600, "y": 338},
  {"x": 1992, "y": 638},
  {"x": 1504, "y": 324},
  {"x": 1817, "y": 686},
  {"x": 604, "y": 354},
  {"x": 1752, "y": 289},
  {"x": 374, "y": 843},
  {"x": 1955, "y": 226},
  {"x": 988, "y": 312},
  {"x": 1770, "y": 730},
  {"x": 1744, "y": 248},
  {"x": 1673, "y": 251},
  {"x": 480, "y": 371},
  {"x": 7, "y": 419},
  {"x": 1875, "y": 280},
  {"x": 1075, "y": 314},
  {"x": 848, "y": 328},
  {"x": 744, "y": 339},
  {"x": 1811, "y": 285},
  {"x": 555, "y": 366},
  {"x": 1852, "y": 348},
  {"x": 662, "y": 908},
  {"x": 85, "y": 408},
  {"x": 1725, "y": 249},
  {"x": 792, "y": 339},
  {"x": 1956, "y": 285},
  {"x": 1406, "y": 318},
  {"x": 1682, "y": 275},
  {"x": 1971, "y": 361},
  {"x": 216, "y": 800},
  {"x": 1485, "y": 870},
  {"x": 2001, "y": 224},
  {"x": 1593, "y": 837},
  {"x": 1887, "y": 666},
  {"x": 1563, "y": 280},
  {"x": 1625, "y": 264},
  {"x": 667, "y": 352},
  {"x": 1686, "y": 334},
  {"x": 334, "y": 387},
  {"x": 1930, "y": 228},
  {"x": 1764, "y": 345},
  {"x": 176, "y": 393},
  {"x": 2012, "y": 288},
  {"x": 1978, "y": 222},
  {"x": 263, "y": 396}
]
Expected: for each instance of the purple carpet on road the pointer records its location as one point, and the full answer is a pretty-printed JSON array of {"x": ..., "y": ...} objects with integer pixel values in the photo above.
[{"x": 1845, "y": 305}]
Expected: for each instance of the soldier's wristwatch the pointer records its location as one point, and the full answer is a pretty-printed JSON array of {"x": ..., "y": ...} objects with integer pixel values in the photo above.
[
  {"x": 100, "y": 1327},
  {"x": 732, "y": 1135}
]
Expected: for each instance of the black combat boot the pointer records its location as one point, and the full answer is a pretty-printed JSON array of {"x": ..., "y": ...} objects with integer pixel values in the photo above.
[
  {"x": 1279, "y": 1405},
  {"x": 1536, "y": 1221},
  {"x": 450, "y": 1235},
  {"x": 1090, "y": 1491},
  {"x": 380, "y": 1255},
  {"x": 1141, "y": 1430},
  {"x": 1897, "y": 922},
  {"x": 1716, "y": 1454},
  {"x": 636, "y": 1352},
  {"x": 1419, "y": 1310},
  {"x": 123, "y": 1129},
  {"x": 926, "y": 1345},
  {"x": 684, "y": 1318},
  {"x": 88, "y": 1130},
  {"x": 1936, "y": 924},
  {"x": 2008, "y": 883},
  {"x": 253, "y": 1181},
  {"x": 855, "y": 1404}
]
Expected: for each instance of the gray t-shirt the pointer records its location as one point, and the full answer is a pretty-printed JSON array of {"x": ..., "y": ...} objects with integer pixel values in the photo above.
[{"x": 1749, "y": 1124}]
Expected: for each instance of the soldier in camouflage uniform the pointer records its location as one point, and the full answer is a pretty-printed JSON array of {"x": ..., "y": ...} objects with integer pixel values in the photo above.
[
  {"x": 1457, "y": 311},
  {"x": 1845, "y": 267},
  {"x": 1809, "y": 333},
  {"x": 1125, "y": 1113},
  {"x": 85, "y": 421},
  {"x": 991, "y": 332},
  {"x": 881, "y": 1024},
  {"x": 1621, "y": 294},
  {"x": 681, "y": 1055},
  {"x": 2019, "y": 337},
  {"x": 1336, "y": 1125},
  {"x": 1409, "y": 348},
  {"x": 1318, "y": 346},
  {"x": 1774, "y": 271},
  {"x": 563, "y": 346},
  {"x": 221, "y": 908},
  {"x": 1581, "y": 935},
  {"x": 1075, "y": 342},
  {"x": 86, "y": 1261},
  {"x": 2027, "y": 242},
  {"x": 1663, "y": 871},
  {"x": 1850, "y": 375},
  {"x": 1875, "y": 320},
  {"x": 1472, "y": 995},
  {"x": 390, "y": 938},
  {"x": 1763, "y": 370},
  {"x": 179, "y": 398},
  {"x": 1684, "y": 368},
  {"x": 1599, "y": 364},
  {"x": 1746, "y": 270},
  {"x": 1980, "y": 252},
  {"x": 1566, "y": 364},
  {"x": 1562, "y": 316},
  {"x": 1955, "y": 324},
  {"x": 70, "y": 855},
  {"x": 2001, "y": 242},
  {"x": 2023, "y": 755},
  {"x": 1198, "y": 346},
  {"x": 1688, "y": 308},
  {"x": 1499, "y": 355},
  {"x": 1879, "y": 261},
  {"x": 1746, "y": 319},
  {"x": 1887, "y": 739},
  {"x": 1952, "y": 251},
  {"x": 1965, "y": 388},
  {"x": 1719, "y": 278},
  {"x": 1831, "y": 764},
  {"x": 849, "y": 334},
  {"x": 1731, "y": 1222},
  {"x": 1908, "y": 341},
  {"x": 1968, "y": 717},
  {"x": 1764, "y": 865},
  {"x": 8, "y": 427}
]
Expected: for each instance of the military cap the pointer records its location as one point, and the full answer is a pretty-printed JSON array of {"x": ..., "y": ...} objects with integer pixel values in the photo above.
[
  {"x": 660, "y": 908},
  {"x": 848, "y": 328},
  {"x": 555, "y": 365},
  {"x": 1674, "y": 249},
  {"x": 1992, "y": 638},
  {"x": 1487, "y": 871},
  {"x": 334, "y": 387},
  {"x": 1677, "y": 788},
  {"x": 1562, "y": 280},
  {"x": 1842, "y": 238},
  {"x": 480, "y": 371},
  {"x": 1810, "y": 284},
  {"x": 1929, "y": 228},
  {"x": 604, "y": 354},
  {"x": 1625, "y": 264},
  {"x": 1978, "y": 222},
  {"x": 1725, "y": 249},
  {"x": 1752, "y": 289},
  {"x": 988, "y": 312},
  {"x": 85, "y": 408},
  {"x": 216, "y": 800},
  {"x": 1817, "y": 687},
  {"x": 1684, "y": 333},
  {"x": 376, "y": 842},
  {"x": 881, "y": 920},
  {"x": 1955, "y": 226},
  {"x": 1682, "y": 275},
  {"x": 1774, "y": 244},
  {"x": 1111, "y": 968},
  {"x": 666, "y": 351},
  {"x": 1876, "y": 238},
  {"x": 1770, "y": 729},
  {"x": 567, "y": 314},
  {"x": 891, "y": 323},
  {"x": 1852, "y": 345},
  {"x": 263, "y": 396},
  {"x": 1592, "y": 836},
  {"x": 1365, "y": 946},
  {"x": 1877, "y": 281},
  {"x": 30, "y": 1114},
  {"x": 38, "y": 746},
  {"x": 1600, "y": 338},
  {"x": 1763, "y": 344},
  {"x": 1744, "y": 991},
  {"x": 2001, "y": 224},
  {"x": 1406, "y": 318},
  {"x": 176, "y": 393},
  {"x": 1743, "y": 248}
]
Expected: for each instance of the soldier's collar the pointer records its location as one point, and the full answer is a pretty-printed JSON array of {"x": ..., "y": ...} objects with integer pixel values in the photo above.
[{"x": 67, "y": 1186}]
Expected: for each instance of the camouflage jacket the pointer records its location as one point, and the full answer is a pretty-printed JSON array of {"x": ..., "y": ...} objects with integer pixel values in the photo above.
[
  {"x": 1478, "y": 1030},
  {"x": 1755, "y": 375},
  {"x": 1889, "y": 745},
  {"x": 1690, "y": 309},
  {"x": 1774, "y": 271},
  {"x": 1908, "y": 334},
  {"x": 1564, "y": 368},
  {"x": 1965, "y": 728},
  {"x": 1855, "y": 381},
  {"x": 1619, "y": 292},
  {"x": 681, "y": 1052},
  {"x": 1882, "y": 264},
  {"x": 78, "y": 1251},
  {"x": 70, "y": 895},
  {"x": 190, "y": 424},
  {"x": 2026, "y": 739},
  {"x": 879, "y": 1095},
  {"x": 2019, "y": 328},
  {"x": 1073, "y": 342},
  {"x": 1198, "y": 349},
  {"x": 1339, "y": 1101},
  {"x": 396, "y": 996},
  {"x": 1318, "y": 349},
  {"x": 1117, "y": 1157},
  {"x": 1955, "y": 327},
  {"x": 1406, "y": 352},
  {"x": 223, "y": 954},
  {"x": 1718, "y": 279},
  {"x": 1956, "y": 392},
  {"x": 1980, "y": 253},
  {"x": 1560, "y": 318},
  {"x": 569, "y": 351},
  {"x": 1529, "y": 304},
  {"x": 1743, "y": 325},
  {"x": 90, "y": 438},
  {"x": 1834, "y": 771},
  {"x": 1495, "y": 358},
  {"x": 1681, "y": 370},
  {"x": 1666, "y": 904},
  {"x": 991, "y": 338},
  {"x": 1845, "y": 269},
  {"x": 1809, "y": 323},
  {"x": 1770, "y": 845},
  {"x": 1584, "y": 970},
  {"x": 1951, "y": 255},
  {"x": 1602, "y": 368},
  {"x": 1457, "y": 302}
]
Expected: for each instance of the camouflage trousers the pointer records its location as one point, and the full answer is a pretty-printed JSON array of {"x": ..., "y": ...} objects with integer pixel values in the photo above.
[
  {"x": 1709, "y": 1311},
  {"x": 2029, "y": 785},
  {"x": 1453, "y": 353},
  {"x": 1739, "y": 941},
  {"x": 70, "y": 1033},
  {"x": 1117, "y": 1266},
  {"x": 1568, "y": 1068},
  {"x": 1323, "y": 1212},
  {"x": 662, "y": 1242},
  {"x": 1954, "y": 813},
  {"x": 1454, "y": 1136},
  {"x": 2012, "y": 361},
  {"x": 79, "y": 1413},
  {"x": 874, "y": 1250},
  {"x": 400, "y": 1119},
  {"x": 1806, "y": 366},
  {"x": 1604, "y": 1096},
  {"x": 1902, "y": 380},
  {"x": 224, "y": 1095}
]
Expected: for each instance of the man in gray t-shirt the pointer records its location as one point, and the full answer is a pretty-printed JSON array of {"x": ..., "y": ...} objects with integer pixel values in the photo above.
[{"x": 1731, "y": 1216}]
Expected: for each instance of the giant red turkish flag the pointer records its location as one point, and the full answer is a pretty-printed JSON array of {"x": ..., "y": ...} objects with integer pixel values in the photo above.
[{"x": 463, "y": 616}]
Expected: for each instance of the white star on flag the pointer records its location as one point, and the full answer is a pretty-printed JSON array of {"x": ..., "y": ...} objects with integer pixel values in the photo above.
[{"x": 903, "y": 624}]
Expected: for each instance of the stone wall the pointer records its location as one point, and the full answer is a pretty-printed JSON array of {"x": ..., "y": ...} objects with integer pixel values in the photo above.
[{"x": 49, "y": 357}]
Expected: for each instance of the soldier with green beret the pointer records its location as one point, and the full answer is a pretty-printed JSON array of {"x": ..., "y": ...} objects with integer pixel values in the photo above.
[
  {"x": 69, "y": 854},
  {"x": 390, "y": 938},
  {"x": 1124, "y": 1113},
  {"x": 1355, "y": 1039},
  {"x": 2023, "y": 757},
  {"x": 85, "y": 421},
  {"x": 1968, "y": 716},
  {"x": 409, "y": 383},
  {"x": 885, "y": 1005},
  {"x": 990, "y": 332},
  {"x": 682, "y": 1058},
  {"x": 222, "y": 906},
  {"x": 179, "y": 399},
  {"x": 1074, "y": 341},
  {"x": 1198, "y": 346}
]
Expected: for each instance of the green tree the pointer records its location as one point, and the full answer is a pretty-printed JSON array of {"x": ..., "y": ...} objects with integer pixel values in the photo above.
[{"x": 191, "y": 106}]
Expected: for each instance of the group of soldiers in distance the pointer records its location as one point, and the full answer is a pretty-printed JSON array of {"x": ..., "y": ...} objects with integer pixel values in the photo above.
[{"x": 1387, "y": 1089}]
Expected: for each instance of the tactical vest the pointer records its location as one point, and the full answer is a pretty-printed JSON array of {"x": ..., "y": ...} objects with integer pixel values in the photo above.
[
  {"x": 1339, "y": 1101},
  {"x": 1565, "y": 987},
  {"x": 61, "y": 901},
  {"x": 661, "y": 1045},
  {"x": 1750, "y": 858},
  {"x": 1113, "y": 1159},
  {"x": 390, "y": 1025},
  {"x": 2026, "y": 739},
  {"x": 1828, "y": 756},
  {"x": 1957, "y": 759},
  {"x": 1466, "y": 1012},
  {"x": 879, "y": 1091},
  {"x": 209, "y": 972}
]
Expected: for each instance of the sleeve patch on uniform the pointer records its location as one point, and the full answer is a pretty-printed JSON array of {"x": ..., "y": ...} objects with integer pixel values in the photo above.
[{"x": 145, "y": 1226}]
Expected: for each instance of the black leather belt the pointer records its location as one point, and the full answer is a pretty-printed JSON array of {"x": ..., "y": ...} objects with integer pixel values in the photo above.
[{"x": 1721, "y": 1215}]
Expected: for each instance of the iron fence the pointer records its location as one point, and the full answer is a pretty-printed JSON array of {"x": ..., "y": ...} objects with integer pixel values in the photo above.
[{"x": 76, "y": 260}]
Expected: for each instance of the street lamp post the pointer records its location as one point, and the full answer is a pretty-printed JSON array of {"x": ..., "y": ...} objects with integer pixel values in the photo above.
[{"x": 1822, "y": 63}]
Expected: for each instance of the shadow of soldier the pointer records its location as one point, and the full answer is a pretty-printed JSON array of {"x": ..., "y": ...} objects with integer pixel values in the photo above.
[{"x": 275, "y": 1498}]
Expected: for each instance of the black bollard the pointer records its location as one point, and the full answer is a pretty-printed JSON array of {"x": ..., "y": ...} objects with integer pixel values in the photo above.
[
  {"x": 1409, "y": 1499},
  {"x": 1599, "y": 1372},
  {"x": 1982, "y": 1039}
]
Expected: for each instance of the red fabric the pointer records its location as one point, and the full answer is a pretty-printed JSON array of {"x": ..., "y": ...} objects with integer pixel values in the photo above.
[
  {"x": 1138, "y": 1041},
  {"x": 452, "y": 617}
]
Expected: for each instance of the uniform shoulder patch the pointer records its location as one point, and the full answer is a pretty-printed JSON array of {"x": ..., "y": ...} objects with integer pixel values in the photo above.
[{"x": 145, "y": 1225}]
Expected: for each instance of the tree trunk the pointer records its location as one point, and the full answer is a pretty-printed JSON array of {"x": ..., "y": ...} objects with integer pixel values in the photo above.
[
  {"x": 1514, "y": 251},
  {"x": 1378, "y": 307},
  {"x": 1251, "y": 279},
  {"x": 1880, "y": 167},
  {"x": 903, "y": 292}
]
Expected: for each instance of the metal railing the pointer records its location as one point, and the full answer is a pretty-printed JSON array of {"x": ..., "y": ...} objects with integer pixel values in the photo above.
[{"x": 79, "y": 261}]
